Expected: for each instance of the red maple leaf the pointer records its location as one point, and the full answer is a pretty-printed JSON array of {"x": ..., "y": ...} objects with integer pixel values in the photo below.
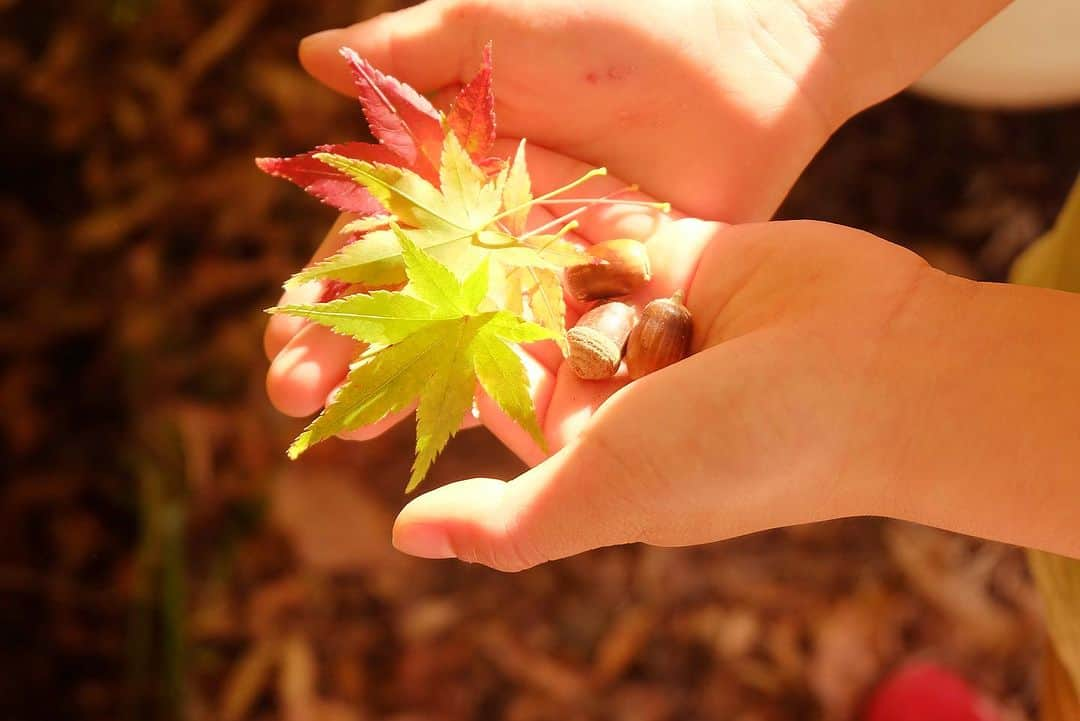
[
  {"x": 327, "y": 184},
  {"x": 399, "y": 117},
  {"x": 472, "y": 117},
  {"x": 410, "y": 132}
]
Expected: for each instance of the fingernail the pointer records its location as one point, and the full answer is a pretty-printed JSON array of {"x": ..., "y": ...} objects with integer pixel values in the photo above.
[{"x": 425, "y": 541}]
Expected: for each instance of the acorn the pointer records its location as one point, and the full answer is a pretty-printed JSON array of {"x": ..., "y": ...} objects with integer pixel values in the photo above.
[
  {"x": 660, "y": 338},
  {"x": 596, "y": 342},
  {"x": 615, "y": 267}
]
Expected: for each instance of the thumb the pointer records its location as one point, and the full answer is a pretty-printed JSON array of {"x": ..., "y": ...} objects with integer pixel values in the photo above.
[
  {"x": 426, "y": 46},
  {"x": 627, "y": 478}
]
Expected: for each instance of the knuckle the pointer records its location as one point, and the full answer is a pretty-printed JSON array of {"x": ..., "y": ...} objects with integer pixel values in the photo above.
[
  {"x": 518, "y": 551},
  {"x": 508, "y": 548},
  {"x": 493, "y": 555}
]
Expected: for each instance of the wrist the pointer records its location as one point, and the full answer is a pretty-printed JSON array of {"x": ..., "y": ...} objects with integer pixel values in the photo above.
[
  {"x": 921, "y": 365},
  {"x": 872, "y": 50},
  {"x": 985, "y": 416},
  {"x": 900, "y": 384}
]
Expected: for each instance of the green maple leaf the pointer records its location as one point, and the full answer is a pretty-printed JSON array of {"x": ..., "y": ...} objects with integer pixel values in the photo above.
[
  {"x": 517, "y": 191},
  {"x": 439, "y": 215},
  {"x": 449, "y": 222},
  {"x": 534, "y": 293},
  {"x": 431, "y": 342}
]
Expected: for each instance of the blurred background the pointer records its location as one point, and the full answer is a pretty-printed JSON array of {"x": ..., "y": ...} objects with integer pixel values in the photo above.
[{"x": 161, "y": 559}]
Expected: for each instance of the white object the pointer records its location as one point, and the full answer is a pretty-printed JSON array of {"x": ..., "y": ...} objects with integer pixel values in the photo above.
[{"x": 1028, "y": 56}]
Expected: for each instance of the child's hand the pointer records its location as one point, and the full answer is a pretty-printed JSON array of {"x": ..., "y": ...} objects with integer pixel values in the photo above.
[
  {"x": 713, "y": 105},
  {"x": 682, "y": 97},
  {"x": 780, "y": 417},
  {"x": 835, "y": 374}
]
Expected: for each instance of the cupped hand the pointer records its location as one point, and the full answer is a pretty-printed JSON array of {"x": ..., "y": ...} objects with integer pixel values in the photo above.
[
  {"x": 713, "y": 106},
  {"x": 783, "y": 415},
  {"x": 787, "y": 413}
]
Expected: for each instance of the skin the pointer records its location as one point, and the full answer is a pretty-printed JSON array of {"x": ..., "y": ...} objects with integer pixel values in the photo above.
[
  {"x": 820, "y": 391},
  {"x": 816, "y": 407},
  {"x": 682, "y": 96}
]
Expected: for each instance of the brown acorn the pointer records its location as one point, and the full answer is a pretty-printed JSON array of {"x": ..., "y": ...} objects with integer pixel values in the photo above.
[
  {"x": 615, "y": 267},
  {"x": 661, "y": 338},
  {"x": 596, "y": 342}
]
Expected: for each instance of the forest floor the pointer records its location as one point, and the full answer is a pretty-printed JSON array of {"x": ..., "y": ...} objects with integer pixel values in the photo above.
[{"x": 160, "y": 558}]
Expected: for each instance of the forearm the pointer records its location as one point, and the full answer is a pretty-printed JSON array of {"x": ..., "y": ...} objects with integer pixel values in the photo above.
[
  {"x": 824, "y": 61},
  {"x": 993, "y": 447}
]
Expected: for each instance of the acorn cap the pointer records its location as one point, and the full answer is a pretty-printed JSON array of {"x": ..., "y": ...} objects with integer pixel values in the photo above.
[
  {"x": 596, "y": 342},
  {"x": 593, "y": 355}
]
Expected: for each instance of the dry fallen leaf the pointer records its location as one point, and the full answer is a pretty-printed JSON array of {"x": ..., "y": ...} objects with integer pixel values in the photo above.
[{"x": 335, "y": 522}]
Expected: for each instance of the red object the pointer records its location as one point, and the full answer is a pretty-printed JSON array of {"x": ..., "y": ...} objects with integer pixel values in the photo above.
[
  {"x": 927, "y": 692},
  {"x": 402, "y": 119},
  {"x": 473, "y": 114},
  {"x": 327, "y": 184}
]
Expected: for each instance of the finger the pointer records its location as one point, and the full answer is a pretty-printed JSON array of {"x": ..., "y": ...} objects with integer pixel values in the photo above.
[
  {"x": 281, "y": 328},
  {"x": 675, "y": 252},
  {"x": 424, "y": 46},
  {"x": 573, "y": 403},
  {"x": 376, "y": 429},
  {"x": 307, "y": 369},
  {"x": 512, "y": 435}
]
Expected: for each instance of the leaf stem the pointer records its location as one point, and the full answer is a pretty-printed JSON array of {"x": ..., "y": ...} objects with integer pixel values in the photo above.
[
  {"x": 595, "y": 172},
  {"x": 575, "y": 213},
  {"x": 514, "y": 243},
  {"x": 664, "y": 207},
  {"x": 572, "y": 225}
]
